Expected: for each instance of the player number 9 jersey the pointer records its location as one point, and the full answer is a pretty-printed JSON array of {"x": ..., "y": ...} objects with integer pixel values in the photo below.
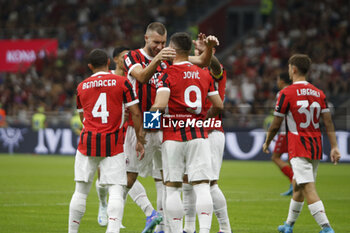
[{"x": 189, "y": 87}]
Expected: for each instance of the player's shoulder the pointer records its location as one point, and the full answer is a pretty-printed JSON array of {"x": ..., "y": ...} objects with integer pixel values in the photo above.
[
  {"x": 289, "y": 90},
  {"x": 173, "y": 69},
  {"x": 134, "y": 55},
  {"x": 135, "y": 51},
  {"x": 316, "y": 89},
  {"x": 122, "y": 79}
]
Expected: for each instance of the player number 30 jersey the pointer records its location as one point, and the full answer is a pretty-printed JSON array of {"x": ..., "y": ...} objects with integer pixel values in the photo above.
[{"x": 302, "y": 104}]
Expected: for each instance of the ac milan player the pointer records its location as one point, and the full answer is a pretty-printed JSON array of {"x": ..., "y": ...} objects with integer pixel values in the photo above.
[
  {"x": 144, "y": 66},
  {"x": 100, "y": 102},
  {"x": 137, "y": 192},
  {"x": 281, "y": 145},
  {"x": 102, "y": 190},
  {"x": 216, "y": 138},
  {"x": 303, "y": 104},
  {"x": 184, "y": 88}
]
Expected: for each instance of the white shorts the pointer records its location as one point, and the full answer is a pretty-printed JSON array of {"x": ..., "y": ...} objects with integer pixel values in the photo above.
[
  {"x": 153, "y": 149},
  {"x": 112, "y": 169},
  {"x": 191, "y": 156},
  {"x": 305, "y": 171},
  {"x": 217, "y": 146},
  {"x": 145, "y": 166}
]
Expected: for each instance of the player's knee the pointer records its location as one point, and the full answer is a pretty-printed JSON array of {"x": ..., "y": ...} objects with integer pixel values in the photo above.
[
  {"x": 274, "y": 157},
  {"x": 131, "y": 179},
  {"x": 213, "y": 182},
  {"x": 199, "y": 182},
  {"x": 185, "y": 179},
  {"x": 82, "y": 188},
  {"x": 309, "y": 189}
]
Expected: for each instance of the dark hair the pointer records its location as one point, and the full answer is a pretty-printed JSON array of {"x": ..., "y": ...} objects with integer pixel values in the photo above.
[
  {"x": 98, "y": 58},
  {"x": 157, "y": 27},
  {"x": 284, "y": 76},
  {"x": 182, "y": 41},
  {"x": 118, "y": 50},
  {"x": 301, "y": 61}
]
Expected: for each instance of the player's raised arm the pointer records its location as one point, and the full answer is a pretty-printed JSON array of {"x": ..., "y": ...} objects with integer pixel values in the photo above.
[
  {"x": 327, "y": 119},
  {"x": 204, "y": 59},
  {"x": 215, "y": 67},
  {"x": 143, "y": 75},
  {"x": 154, "y": 49}
]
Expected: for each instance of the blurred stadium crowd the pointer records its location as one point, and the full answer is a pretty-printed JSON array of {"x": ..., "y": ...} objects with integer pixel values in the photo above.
[{"x": 318, "y": 28}]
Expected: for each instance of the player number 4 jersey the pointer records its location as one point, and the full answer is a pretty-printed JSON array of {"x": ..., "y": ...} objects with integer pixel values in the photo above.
[
  {"x": 102, "y": 98},
  {"x": 302, "y": 104}
]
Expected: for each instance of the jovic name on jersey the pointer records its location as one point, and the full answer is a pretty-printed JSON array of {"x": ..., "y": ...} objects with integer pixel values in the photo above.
[{"x": 102, "y": 98}]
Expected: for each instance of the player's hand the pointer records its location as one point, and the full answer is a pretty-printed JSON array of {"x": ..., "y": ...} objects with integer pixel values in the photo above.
[
  {"x": 266, "y": 148},
  {"x": 166, "y": 53},
  {"x": 335, "y": 155},
  {"x": 211, "y": 41},
  {"x": 140, "y": 150},
  {"x": 141, "y": 138},
  {"x": 199, "y": 44}
]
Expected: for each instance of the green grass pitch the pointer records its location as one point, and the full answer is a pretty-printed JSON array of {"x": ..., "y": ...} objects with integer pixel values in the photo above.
[{"x": 35, "y": 192}]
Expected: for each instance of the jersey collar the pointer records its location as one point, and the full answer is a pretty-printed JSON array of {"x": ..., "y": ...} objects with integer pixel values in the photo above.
[
  {"x": 100, "y": 73},
  {"x": 146, "y": 55},
  {"x": 182, "y": 63},
  {"x": 301, "y": 82}
]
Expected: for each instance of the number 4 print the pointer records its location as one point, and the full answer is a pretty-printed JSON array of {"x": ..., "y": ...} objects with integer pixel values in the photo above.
[{"x": 101, "y": 102}]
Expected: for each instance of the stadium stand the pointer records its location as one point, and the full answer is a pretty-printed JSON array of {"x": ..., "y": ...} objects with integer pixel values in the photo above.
[{"x": 318, "y": 28}]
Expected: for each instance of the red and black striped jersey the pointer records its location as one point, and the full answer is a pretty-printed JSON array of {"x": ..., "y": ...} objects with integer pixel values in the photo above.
[
  {"x": 189, "y": 86},
  {"x": 220, "y": 84},
  {"x": 145, "y": 92},
  {"x": 102, "y": 99},
  {"x": 302, "y": 104}
]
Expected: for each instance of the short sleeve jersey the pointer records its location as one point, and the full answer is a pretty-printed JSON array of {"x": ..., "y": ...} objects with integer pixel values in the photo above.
[
  {"x": 283, "y": 124},
  {"x": 220, "y": 85},
  {"x": 189, "y": 86},
  {"x": 302, "y": 104},
  {"x": 102, "y": 99},
  {"x": 145, "y": 92}
]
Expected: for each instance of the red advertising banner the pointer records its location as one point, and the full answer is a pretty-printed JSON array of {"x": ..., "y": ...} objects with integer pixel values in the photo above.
[{"x": 18, "y": 55}]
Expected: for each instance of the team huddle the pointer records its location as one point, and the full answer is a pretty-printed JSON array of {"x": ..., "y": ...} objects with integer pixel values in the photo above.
[{"x": 183, "y": 160}]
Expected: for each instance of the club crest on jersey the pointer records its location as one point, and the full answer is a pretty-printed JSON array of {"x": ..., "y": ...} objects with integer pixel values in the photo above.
[
  {"x": 151, "y": 120},
  {"x": 163, "y": 65}
]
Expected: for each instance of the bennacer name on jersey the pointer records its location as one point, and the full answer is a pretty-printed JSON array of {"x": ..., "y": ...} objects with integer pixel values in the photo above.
[{"x": 100, "y": 83}]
